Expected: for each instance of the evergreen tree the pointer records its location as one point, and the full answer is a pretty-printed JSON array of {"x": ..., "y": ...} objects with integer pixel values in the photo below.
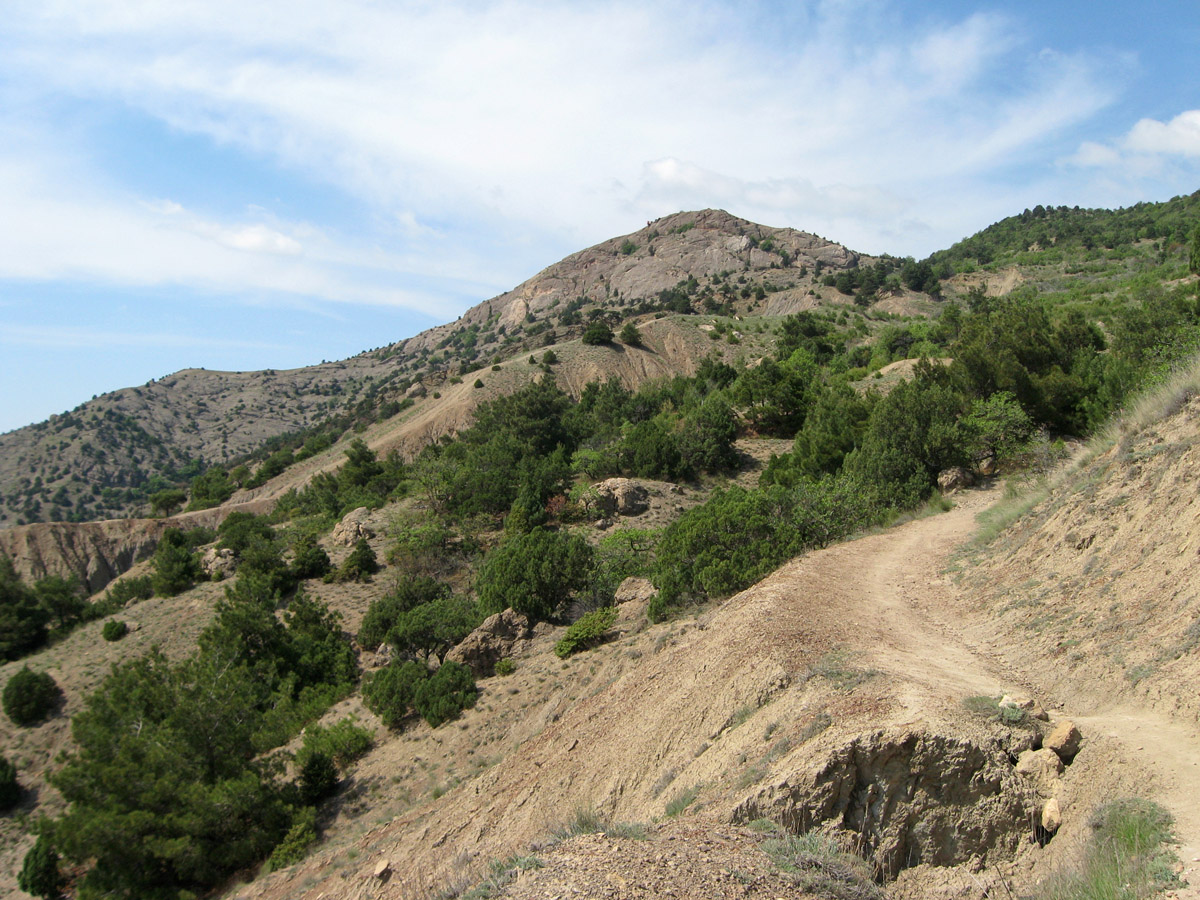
[{"x": 39, "y": 873}]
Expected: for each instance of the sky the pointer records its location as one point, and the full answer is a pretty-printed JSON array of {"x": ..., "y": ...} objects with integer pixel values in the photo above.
[{"x": 203, "y": 183}]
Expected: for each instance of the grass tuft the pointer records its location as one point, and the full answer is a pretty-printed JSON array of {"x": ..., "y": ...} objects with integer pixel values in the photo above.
[
  {"x": 1125, "y": 859},
  {"x": 823, "y": 868},
  {"x": 682, "y": 800}
]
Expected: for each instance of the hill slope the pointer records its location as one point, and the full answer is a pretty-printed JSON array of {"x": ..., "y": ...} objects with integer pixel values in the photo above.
[{"x": 104, "y": 458}]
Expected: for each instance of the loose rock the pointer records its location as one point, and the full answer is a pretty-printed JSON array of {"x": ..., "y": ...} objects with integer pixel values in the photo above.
[
  {"x": 1064, "y": 739},
  {"x": 1042, "y": 768},
  {"x": 1051, "y": 816}
]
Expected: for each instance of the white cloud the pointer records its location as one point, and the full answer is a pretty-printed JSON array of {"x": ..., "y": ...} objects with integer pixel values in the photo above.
[
  {"x": 1179, "y": 137},
  {"x": 1150, "y": 150},
  {"x": 544, "y": 122}
]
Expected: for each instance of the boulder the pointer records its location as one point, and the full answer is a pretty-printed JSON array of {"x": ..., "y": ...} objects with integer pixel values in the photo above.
[
  {"x": 416, "y": 391},
  {"x": 1041, "y": 768},
  {"x": 622, "y": 497},
  {"x": 381, "y": 657},
  {"x": 500, "y": 635},
  {"x": 632, "y": 598},
  {"x": 955, "y": 479},
  {"x": 217, "y": 562},
  {"x": 352, "y": 527},
  {"x": 1064, "y": 740},
  {"x": 1051, "y": 816}
]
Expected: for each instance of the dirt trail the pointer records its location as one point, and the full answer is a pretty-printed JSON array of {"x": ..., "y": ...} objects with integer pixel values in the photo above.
[{"x": 918, "y": 631}]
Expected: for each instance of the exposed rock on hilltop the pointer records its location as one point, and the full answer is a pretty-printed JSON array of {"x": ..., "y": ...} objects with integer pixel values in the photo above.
[{"x": 666, "y": 252}]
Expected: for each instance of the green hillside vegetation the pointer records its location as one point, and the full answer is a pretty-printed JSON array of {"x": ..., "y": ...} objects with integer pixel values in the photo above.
[{"x": 197, "y": 790}]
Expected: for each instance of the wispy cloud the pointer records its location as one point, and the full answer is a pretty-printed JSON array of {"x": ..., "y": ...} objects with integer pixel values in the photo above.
[
  {"x": 69, "y": 338},
  {"x": 545, "y": 122}
]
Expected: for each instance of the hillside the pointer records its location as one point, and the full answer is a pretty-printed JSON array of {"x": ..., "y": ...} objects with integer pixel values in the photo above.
[
  {"x": 104, "y": 458},
  {"x": 673, "y": 580}
]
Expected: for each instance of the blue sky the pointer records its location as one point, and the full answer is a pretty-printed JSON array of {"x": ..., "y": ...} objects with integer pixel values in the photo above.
[{"x": 269, "y": 184}]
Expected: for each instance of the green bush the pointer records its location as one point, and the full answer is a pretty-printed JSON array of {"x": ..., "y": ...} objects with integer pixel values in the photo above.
[
  {"x": 740, "y": 536},
  {"x": 391, "y": 692},
  {"x": 309, "y": 560},
  {"x": 360, "y": 565},
  {"x": 344, "y": 741},
  {"x": 29, "y": 697},
  {"x": 295, "y": 844},
  {"x": 383, "y": 614},
  {"x": 114, "y": 630},
  {"x": 445, "y": 694},
  {"x": 505, "y": 666},
  {"x": 22, "y": 619},
  {"x": 175, "y": 565},
  {"x": 318, "y": 777},
  {"x": 534, "y": 573},
  {"x": 39, "y": 873},
  {"x": 432, "y": 629},
  {"x": 630, "y": 335},
  {"x": 10, "y": 790},
  {"x": 128, "y": 590},
  {"x": 597, "y": 333},
  {"x": 587, "y": 632}
]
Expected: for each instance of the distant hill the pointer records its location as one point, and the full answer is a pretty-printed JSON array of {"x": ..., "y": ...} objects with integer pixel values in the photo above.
[{"x": 107, "y": 456}]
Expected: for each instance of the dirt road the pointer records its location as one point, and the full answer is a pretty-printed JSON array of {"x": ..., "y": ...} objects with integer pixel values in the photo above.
[{"x": 921, "y": 630}]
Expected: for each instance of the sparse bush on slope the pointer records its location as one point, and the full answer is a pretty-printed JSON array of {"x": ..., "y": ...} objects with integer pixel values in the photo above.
[{"x": 30, "y": 697}]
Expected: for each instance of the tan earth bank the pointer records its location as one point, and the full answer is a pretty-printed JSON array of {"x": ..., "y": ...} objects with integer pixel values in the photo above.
[{"x": 829, "y": 695}]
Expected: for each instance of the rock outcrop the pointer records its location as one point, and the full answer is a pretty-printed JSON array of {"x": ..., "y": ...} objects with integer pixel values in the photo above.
[
  {"x": 352, "y": 528},
  {"x": 501, "y": 635},
  {"x": 622, "y": 497}
]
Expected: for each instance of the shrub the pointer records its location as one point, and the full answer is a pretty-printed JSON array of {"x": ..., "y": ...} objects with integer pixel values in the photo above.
[
  {"x": 130, "y": 589},
  {"x": 29, "y": 697},
  {"x": 432, "y": 629},
  {"x": 534, "y": 573},
  {"x": 587, "y": 632},
  {"x": 597, "y": 333},
  {"x": 318, "y": 777},
  {"x": 360, "y": 565},
  {"x": 549, "y": 358},
  {"x": 114, "y": 630},
  {"x": 445, "y": 694},
  {"x": 175, "y": 565},
  {"x": 10, "y": 790},
  {"x": 391, "y": 692},
  {"x": 310, "y": 560},
  {"x": 344, "y": 741},
  {"x": 39, "y": 874},
  {"x": 504, "y": 666},
  {"x": 22, "y": 619},
  {"x": 630, "y": 335},
  {"x": 295, "y": 844},
  {"x": 383, "y": 614}
]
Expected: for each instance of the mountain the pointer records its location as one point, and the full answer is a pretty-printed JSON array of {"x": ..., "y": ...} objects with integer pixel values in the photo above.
[
  {"x": 648, "y": 619},
  {"x": 107, "y": 456}
]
